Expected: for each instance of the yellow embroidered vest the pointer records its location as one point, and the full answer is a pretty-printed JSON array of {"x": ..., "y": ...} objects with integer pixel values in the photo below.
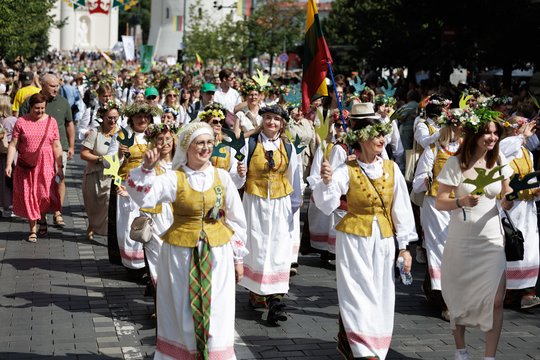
[
  {"x": 158, "y": 208},
  {"x": 191, "y": 210},
  {"x": 263, "y": 181},
  {"x": 364, "y": 203},
  {"x": 222, "y": 162},
  {"x": 134, "y": 160},
  {"x": 522, "y": 167},
  {"x": 440, "y": 159}
]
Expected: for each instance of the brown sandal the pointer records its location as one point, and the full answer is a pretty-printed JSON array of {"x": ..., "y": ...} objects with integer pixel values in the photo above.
[
  {"x": 59, "y": 220},
  {"x": 42, "y": 229},
  {"x": 32, "y": 238}
]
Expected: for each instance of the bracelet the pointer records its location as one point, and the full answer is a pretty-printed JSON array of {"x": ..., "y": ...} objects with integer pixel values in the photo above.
[{"x": 458, "y": 204}]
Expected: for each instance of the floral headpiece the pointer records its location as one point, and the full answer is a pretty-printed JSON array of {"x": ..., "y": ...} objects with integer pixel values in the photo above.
[
  {"x": 382, "y": 99},
  {"x": 142, "y": 107},
  {"x": 212, "y": 111},
  {"x": 153, "y": 130},
  {"x": 456, "y": 117},
  {"x": 109, "y": 105},
  {"x": 502, "y": 100},
  {"x": 439, "y": 102},
  {"x": 335, "y": 115},
  {"x": 368, "y": 132},
  {"x": 170, "y": 110},
  {"x": 481, "y": 117},
  {"x": 171, "y": 88},
  {"x": 472, "y": 91},
  {"x": 249, "y": 85}
]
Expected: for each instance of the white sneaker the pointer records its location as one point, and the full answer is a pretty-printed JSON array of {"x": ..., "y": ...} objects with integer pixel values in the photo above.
[
  {"x": 527, "y": 303},
  {"x": 421, "y": 255},
  {"x": 458, "y": 355}
]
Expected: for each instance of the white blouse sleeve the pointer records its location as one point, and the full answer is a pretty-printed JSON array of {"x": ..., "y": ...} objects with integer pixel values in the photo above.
[
  {"x": 397, "y": 146},
  {"x": 338, "y": 156},
  {"x": 510, "y": 147},
  {"x": 234, "y": 216},
  {"x": 402, "y": 214},
  {"x": 147, "y": 189},
  {"x": 327, "y": 197},
  {"x": 233, "y": 168},
  {"x": 295, "y": 179},
  {"x": 315, "y": 171},
  {"x": 507, "y": 170},
  {"x": 422, "y": 137},
  {"x": 424, "y": 169}
]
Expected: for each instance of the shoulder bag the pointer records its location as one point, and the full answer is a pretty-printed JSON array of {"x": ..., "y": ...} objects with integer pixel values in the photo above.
[
  {"x": 141, "y": 229},
  {"x": 513, "y": 239}
]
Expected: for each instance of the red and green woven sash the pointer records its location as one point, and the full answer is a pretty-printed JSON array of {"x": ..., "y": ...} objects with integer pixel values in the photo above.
[{"x": 200, "y": 295}]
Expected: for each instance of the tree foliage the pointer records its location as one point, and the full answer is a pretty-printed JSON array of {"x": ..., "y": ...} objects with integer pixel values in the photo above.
[
  {"x": 224, "y": 42},
  {"x": 433, "y": 35},
  {"x": 24, "y": 28},
  {"x": 138, "y": 15}
]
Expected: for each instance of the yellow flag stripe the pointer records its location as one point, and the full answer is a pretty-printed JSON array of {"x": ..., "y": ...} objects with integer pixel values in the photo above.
[{"x": 311, "y": 11}]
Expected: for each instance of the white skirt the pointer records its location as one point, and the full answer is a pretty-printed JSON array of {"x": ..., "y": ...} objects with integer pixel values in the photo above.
[
  {"x": 161, "y": 224},
  {"x": 132, "y": 252},
  {"x": 366, "y": 293},
  {"x": 435, "y": 227},
  {"x": 524, "y": 274},
  {"x": 269, "y": 241},
  {"x": 175, "y": 332},
  {"x": 296, "y": 235},
  {"x": 319, "y": 227}
]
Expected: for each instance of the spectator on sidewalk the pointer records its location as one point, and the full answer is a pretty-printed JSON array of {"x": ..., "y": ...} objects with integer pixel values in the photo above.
[
  {"x": 36, "y": 140},
  {"x": 7, "y": 122},
  {"x": 58, "y": 108}
]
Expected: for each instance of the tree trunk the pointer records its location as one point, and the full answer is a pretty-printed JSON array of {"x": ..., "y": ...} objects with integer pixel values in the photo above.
[{"x": 271, "y": 63}]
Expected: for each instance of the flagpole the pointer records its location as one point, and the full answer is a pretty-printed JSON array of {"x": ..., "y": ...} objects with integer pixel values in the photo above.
[{"x": 340, "y": 107}]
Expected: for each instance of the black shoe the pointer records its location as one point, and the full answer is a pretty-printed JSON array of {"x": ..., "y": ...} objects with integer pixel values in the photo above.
[{"x": 276, "y": 312}]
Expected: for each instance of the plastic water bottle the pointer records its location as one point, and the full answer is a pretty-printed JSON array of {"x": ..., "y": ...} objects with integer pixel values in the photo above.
[{"x": 406, "y": 277}]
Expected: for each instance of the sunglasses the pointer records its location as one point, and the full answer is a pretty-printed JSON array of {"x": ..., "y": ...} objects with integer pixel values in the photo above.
[
  {"x": 269, "y": 154},
  {"x": 151, "y": 97},
  {"x": 216, "y": 122},
  {"x": 338, "y": 125},
  {"x": 172, "y": 95}
]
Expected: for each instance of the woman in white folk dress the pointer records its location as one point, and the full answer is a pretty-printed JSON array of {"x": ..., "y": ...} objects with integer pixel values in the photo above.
[
  {"x": 162, "y": 136},
  {"x": 473, "y": 268},
  {"x": 521, "y": 276},
  {"x": 378, "y": 209},
  {"x": 202, "y": 250},
  {"x": 435, "y": 222},
  {"x": 272, "y": 195},
  {"x": 123, "y": 250}
]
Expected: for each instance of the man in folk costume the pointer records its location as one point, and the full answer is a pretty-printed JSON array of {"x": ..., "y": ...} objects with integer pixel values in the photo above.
[
  {"x": 272, "y": 195},
  {"x": 378, "y": 210}
]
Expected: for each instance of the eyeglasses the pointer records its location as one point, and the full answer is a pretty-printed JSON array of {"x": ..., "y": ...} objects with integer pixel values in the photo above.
[
  {"x": 204, "y": 144},
  {"x": 112, "y": 118},
  {"x": 269, "y": 155},
  {"x": 216, "y": 122}
]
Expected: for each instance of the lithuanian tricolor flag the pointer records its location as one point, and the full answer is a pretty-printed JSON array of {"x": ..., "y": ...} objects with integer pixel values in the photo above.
[
  {"x": 243, "y": 7},
  {"x": 316, "y": 58}
]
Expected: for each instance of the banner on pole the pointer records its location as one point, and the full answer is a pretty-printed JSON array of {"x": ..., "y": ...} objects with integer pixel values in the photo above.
[{"x": 129, "y": 47}]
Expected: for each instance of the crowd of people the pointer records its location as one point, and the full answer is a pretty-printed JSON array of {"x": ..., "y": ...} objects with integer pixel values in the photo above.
[{"x": 217, "y": 165}]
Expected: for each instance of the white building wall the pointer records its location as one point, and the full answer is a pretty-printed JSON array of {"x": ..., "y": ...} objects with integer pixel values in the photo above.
[
  {"x": 83, "y": 30},
  {"x": 165, "y": 39}
]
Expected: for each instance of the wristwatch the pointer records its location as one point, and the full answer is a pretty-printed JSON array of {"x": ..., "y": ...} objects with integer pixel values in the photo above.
[{"x": 99, "y": 160}]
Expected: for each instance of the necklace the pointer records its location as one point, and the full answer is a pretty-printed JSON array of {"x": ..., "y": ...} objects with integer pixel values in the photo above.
[
  {"x": 144, "y": 146},
  {"x": 446, "y": 151}
]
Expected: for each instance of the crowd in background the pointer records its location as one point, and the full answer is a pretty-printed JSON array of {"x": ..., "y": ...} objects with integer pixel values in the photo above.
[{"x": 378, "y": 163}]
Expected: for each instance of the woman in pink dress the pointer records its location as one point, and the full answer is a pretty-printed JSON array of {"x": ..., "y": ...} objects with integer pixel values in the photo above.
[{"x": 35, "y": 192}]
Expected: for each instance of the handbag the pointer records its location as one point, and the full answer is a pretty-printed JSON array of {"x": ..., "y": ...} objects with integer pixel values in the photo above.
[
  {"x": 141, "y": 229},
  {"x": 513, "y": 240},
  {"x": 29, "y": 160},
  {"x": 411, "y": 158}
]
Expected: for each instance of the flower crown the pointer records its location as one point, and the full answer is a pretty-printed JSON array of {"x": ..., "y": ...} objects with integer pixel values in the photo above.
[
  {"x": 212, "y": 112},
  {"x": 443, "y": 102},
  {"x": 153, "y": 130},
  {"x": 481, "y": 117},
  {"x": 336, "y": 117},
  {"x": 109, "y": 105},
  {"x": 384, "y": 99},
  {"x": 368, "y": 132},
  {"x": 456, "y": 116},
  {"x": 142, "y": 107},
  {"x": 170, "y": 110},
  {"x": 249, "y": 85}
]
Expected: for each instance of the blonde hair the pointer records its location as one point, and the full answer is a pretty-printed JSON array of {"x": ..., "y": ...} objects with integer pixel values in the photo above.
[
  {"x": 5, "y": 106},
  {"x": 447, "y": 135}
]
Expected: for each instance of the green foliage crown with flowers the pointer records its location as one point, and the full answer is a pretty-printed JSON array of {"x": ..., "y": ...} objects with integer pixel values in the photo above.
[
  {"x": 368, "y": 132},
  {"x": 481, "y": 117},
  {"x": 153, "y": 130}
]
